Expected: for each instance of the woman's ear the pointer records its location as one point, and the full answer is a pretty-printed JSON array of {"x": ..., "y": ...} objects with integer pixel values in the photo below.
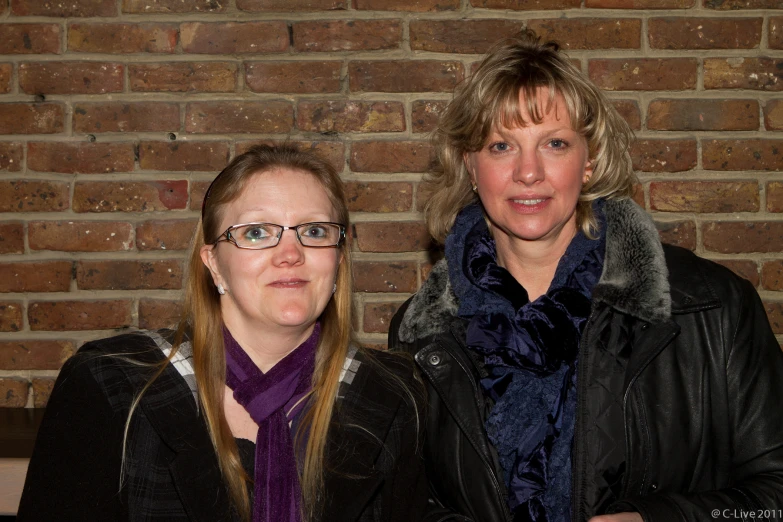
[
  {"x": 588, "y": 173},
  {"x": 207, "y": 253}
]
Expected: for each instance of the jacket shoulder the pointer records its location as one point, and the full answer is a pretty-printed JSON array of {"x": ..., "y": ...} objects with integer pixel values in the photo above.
[{"x": 696, "y": 282}]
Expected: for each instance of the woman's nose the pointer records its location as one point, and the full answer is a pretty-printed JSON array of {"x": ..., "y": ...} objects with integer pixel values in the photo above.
[
  {"x": 528, "y": 168},
  {"x": 289, "y": 249}
]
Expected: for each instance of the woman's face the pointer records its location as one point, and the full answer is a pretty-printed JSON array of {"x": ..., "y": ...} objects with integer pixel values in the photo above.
[
  {"x": 529, "y": 178},
  {"x": 286, "y": 286}
]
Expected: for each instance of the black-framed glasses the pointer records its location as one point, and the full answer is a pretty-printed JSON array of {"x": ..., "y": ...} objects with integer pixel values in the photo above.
[{"x": 258, "y": 236}]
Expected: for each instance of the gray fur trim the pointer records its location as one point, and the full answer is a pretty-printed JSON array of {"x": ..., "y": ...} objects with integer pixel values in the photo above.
[{"x": 634, "y": 281}]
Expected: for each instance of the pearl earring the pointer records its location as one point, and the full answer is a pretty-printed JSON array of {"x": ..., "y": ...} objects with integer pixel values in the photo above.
[
  {"x": 334, "y": 288},
  {"x": 220, "y": 289},
  {"x": 475, "y": 187}
]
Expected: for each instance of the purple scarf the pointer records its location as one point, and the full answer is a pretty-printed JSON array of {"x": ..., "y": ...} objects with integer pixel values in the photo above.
[{"x": 271, "y": 400}]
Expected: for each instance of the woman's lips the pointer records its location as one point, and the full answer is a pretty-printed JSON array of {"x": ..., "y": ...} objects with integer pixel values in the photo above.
[
  {"x": 529, "y": 205},
  {"x": 288, "y": 283}
]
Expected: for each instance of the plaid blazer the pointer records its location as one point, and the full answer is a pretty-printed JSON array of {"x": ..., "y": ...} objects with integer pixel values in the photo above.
[{"x": 374, "y": 470}]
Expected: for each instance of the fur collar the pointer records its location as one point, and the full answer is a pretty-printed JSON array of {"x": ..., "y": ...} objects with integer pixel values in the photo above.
[{"x": 634, "y": 280}]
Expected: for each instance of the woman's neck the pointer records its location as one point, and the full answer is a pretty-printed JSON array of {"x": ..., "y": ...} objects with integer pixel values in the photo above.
[
  {"x": 532, "y": 263},
  {"x": 267, "y": 348}
]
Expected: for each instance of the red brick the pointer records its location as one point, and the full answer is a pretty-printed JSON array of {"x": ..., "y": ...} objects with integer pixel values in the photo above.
[
  {"x": 122, "y": 38},
  {"x": 42, "y": 390},
  {"x": 173, "y": 6},
  {"x": 79, "y": 315},
  {"x": 377, "y": 316},
  {"x": 640, "y": 4},
  {"x": 183, "y": 77},
  {"x": 80, "y": 236},
  {"x": 704, "y": 196},
  {"x": 293, "y": 77},
  {"x": 629, "y": 110},
  {"x": 331, "y": 151},
  {"x": 13, "y": 392},
  {"x": 590, "y": 33},
  {"x": 679, "y": 233},
  {"x": 11, "y": 155},
  {"x": 234, "y": 37},
  {"x": 197, "y": 191},
  {"x": 36, "y": 276},
  {"x": 172, "y": 234},
  {"x": 745, "y": 269},
  {"x": 34, "y": 355},
  {"x": 6, "y": 72},
  {"x": 159, "y": 313},
  {"x": 392, "y": 156},
  {"x": 425, "y": 114},
  {"x": 347, "y": 35},
  {"x": 405, "y": 76},
  {"x": 703, "y": 115},
  {"x": 292, "y": 5},
  {"x": 704, "y": 33},
  {"x": 11, "y": 316},
  {"x": 731, "y": 237},
  {"x": 644, "y": 74},
  {"x": 459, "y": 36},
  {"x": 751, "y": 154},
  {"x": 31, "y": 118},
  {"x": 183, "y": 155},
  {"x": 776, "y": 32},
  {"x": 29, "y": 38},
  {"x": 664, "y": 155},
  {"x": 526, "y": 5},
  {"x": 80, "y": 157},
  {"x": 775, "y": 196},
  {"x": 401, "y": 236},
  {"x": 239, "y": 116},
  {"x": 125, "y": 117},
  {"x": 72, "y": 9},
  {"x": 71, "y": 77},
  {"x": 775, "y": 316},
  {"x": 130, "y": 196},
  {"x": 11, "y": 238},
  {"x": 724, "y": 5},
  {"x": 350, "y": 116},
  {"x": 163, "y": 274},
  {"x": 773, "y": 115},
  {"x": 423, "y": 194},
  {"x": 33, "y": 196},
  {"x": 386, "y": 276},
  {"x": 772, "y": 275},
  {"x": 379, "y": 197},
  {"x": 743, "y": 73}
]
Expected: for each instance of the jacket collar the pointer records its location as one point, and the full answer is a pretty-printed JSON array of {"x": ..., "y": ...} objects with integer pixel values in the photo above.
[{"x": 635, "y": 279}]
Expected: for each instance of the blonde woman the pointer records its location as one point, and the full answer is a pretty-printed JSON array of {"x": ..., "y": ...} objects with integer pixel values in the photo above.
[
  {"x": 578, "y": 369},
  {"x": 258, "y": 407}
]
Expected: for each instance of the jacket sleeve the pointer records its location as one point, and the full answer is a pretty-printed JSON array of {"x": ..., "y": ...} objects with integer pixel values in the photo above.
[
  {"x": 754, "y": 378},
  {"x": 74, "y": 471}
]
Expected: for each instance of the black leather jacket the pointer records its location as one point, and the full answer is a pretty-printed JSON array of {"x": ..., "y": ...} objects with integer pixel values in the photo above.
[{"x": 678, "y": 370}]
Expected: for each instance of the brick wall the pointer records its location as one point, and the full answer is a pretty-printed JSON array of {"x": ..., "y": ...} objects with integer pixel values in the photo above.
[{"x": 115, "y": 115}]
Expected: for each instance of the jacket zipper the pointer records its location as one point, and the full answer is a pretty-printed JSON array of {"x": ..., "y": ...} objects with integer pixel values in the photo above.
[{"x": 579, "y": 428}]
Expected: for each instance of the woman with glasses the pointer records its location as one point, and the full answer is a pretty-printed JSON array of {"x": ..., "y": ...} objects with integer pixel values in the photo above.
[{"x": 258, "y": 407}]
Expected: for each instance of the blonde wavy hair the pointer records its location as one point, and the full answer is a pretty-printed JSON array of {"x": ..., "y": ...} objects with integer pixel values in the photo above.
[{"x": 490, "y": 99}]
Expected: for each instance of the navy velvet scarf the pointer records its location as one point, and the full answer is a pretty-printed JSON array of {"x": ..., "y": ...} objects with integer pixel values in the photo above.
[
  {"x": 529, "y": 350},
  {"x": 273, "y": 399}
]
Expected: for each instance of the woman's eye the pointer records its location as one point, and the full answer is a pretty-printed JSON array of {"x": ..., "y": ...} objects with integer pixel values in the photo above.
[
  {"x": 315, "y": 231},
  {"x": 256, "y": 233},
  {"x": 558, "y": 144},
  {"x": 498, "y": 147}
]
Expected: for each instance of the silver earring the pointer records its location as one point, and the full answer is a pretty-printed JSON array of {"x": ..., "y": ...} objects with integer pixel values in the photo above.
[
  {"x": 334, "y": 288},
  {"x": 475, "y": 187},
  {"x": 220, "y": 289}
]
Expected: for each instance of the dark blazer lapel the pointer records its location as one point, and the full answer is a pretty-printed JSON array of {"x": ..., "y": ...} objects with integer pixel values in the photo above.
[
  {"x": 171, "y": 409},
  {"x": 366, "y": 410}
]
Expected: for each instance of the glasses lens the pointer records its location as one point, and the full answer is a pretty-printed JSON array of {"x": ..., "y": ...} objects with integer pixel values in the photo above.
[
  {"x": 262, "y": 235},
  {"x": 319, "y": 234}
]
